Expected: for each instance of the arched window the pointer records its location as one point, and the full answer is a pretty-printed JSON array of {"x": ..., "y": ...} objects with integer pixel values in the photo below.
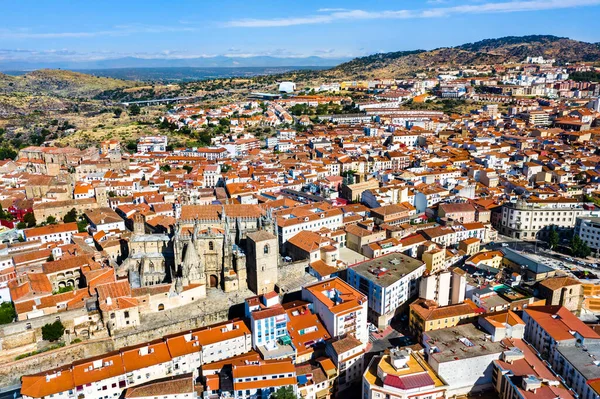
[
  {"x": 266, "y": 249},
  {"x": 161, "y": 307},
  {"x": 211, "y": 246}
]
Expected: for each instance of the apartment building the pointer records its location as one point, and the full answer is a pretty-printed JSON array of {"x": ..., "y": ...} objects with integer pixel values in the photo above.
[
  {"x": 106, "y": 376},
  {"x": 261, "y": 379},
  {"x": 316, "y": 380},
  {"x": 341, "y": 308},
  {"x": 389, "y": 282},
  {"x": 571, "y": 347},
  {"x": 268, "y": 322},
  {"x": 426, "y": 315},
  {"x": 531, "y": 219},
  {"x": 519, "y": 373},
  {"x": 588, "y": 229},
  {"x": 402, "y": 374},
  {"x": 152, "y": 144},
  {"x": 347, "y": 354},
  {"x": 462, "y": 356},
  {"x": 311, "y": 217},
  {"x": 445, "y": 287},
  {"x": 51, "y": 233}
]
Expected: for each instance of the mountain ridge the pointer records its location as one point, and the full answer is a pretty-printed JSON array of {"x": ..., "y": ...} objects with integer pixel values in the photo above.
[
  {"x": 508, "y": 49},
  {"x": 195, "y": 62}
]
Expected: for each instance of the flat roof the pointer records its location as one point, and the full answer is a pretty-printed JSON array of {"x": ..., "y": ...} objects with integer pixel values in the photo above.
[
  {"x": 585, "y": 358},
  {"x": 387, "y": 269},
  {"x": 461, "y": 342}
]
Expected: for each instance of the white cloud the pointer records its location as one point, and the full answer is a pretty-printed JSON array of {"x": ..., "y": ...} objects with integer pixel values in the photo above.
[
  {"x": 118, "y": 30},
  {"x": 334, "y": 15}
]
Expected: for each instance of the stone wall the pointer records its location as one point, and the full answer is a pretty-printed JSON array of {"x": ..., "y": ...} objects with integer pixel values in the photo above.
[
  {"x": 215, "y": 308},
  {"x": 11, "y": 372},
  {"x": 129, "y": 338},
  {"x": 293, "y": 270}
]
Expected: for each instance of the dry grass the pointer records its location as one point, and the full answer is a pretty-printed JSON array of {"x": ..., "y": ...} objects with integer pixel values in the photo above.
[{"x": 94, "y": 129}]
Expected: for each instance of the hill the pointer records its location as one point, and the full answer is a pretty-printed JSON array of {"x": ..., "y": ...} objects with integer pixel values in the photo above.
[
  {"x": 510, "y": 49},
  {"x": 59, "y": 83}
]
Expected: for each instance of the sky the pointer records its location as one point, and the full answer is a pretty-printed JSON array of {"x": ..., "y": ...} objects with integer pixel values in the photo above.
[{"x": 56, "y": 30}]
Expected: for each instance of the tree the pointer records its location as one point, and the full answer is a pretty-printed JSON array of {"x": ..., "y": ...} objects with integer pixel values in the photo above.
[
  {"x": 82, "y": 225},
  {"x": 579, "y": 248},
  {"x": 165, "y": 168},
  {"x": 51, "y": 220},
  {"x": 71, "y": 216},
  {"x": 21, "y": 225},
  {"x": 117, "y": 112},
  {"x": 50, "y": 258},
  {"x": 134, "y": 110},
  {"x": 188, "y": 168},
  {"x": 53, "y": 332},
  {"x": 553, "y": 238},
  {"x": 7, "y": 153},
  {"x": 284, "y": 393},
  {"x": 29, "y": 218},
  {"x": 7, "y": 312}
]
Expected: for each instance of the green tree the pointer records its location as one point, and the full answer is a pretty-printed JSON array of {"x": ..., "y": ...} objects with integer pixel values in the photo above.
[
  {"x": 51, "y": 220},
  {"x": 29, "y": 218},
  {"x": 117, "y": 112},
  {"x": 21, "y": 225},
  {"x": 284, "y": 393},
  {"x": 7, "y": 153},
  {"x": 62, "y": 290},
  {"x": 188, "y": 168},
  {"x": 53, "y": 332},
  {"x": 131, "y": 145},
  {"x": 71, "y": 216},
  {"x": 82, "y": 225},
  {"x": 165, "y": 168},
  {"x": 134, "y": 110},
  {"x": 579, "y": 248},
  {"x": 553, "y": 238},
  {"x": 7, "y": 312}
]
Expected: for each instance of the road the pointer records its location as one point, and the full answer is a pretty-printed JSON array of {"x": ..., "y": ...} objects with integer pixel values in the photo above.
[{"x": 10, "y": 392}]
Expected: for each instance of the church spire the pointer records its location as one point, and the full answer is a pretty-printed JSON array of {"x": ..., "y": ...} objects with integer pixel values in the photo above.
[{"x": 193, "y": 272}]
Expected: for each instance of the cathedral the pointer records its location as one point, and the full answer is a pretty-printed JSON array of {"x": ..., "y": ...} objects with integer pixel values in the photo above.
[
  {"x": 209, "y": 244},
  {"x": 208, "y": 248}
]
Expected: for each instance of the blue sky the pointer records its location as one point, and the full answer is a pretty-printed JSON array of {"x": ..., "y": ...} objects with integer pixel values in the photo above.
[{"x": 84, "y": 30}]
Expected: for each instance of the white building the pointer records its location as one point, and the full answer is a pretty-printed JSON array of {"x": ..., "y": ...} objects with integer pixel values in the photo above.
[
  {"x": 152, "y": 144},
  {"x": 588, "y": 229},
  {"x": 341, "y": 308},
  {"x": 51, "y": 233},
  {"x": 531, "y": 219},
  {"x": 389, "y": 282},
  {"x": 287, "y": 87},
  {"x": 403, "y": 374}
]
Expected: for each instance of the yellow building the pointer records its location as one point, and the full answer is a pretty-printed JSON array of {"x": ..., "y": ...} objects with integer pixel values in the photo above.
[
  {"x": 491, "y": 259},
  {"x": 426, "y": 315},
  {"x": 470, "y": 245},
  {"x": 434, "y": 259},
  {"x": 401, "y": 374}
]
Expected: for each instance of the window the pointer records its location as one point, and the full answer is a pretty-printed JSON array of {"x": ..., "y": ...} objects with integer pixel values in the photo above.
[
  {"x": 266, "y": 249},
  {"x": 211, "y": 246}
]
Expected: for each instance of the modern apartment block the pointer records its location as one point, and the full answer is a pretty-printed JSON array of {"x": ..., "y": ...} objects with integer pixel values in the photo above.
[
  {"x": 389, "y": 282},
  {"x": 341, "y": 308}
]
